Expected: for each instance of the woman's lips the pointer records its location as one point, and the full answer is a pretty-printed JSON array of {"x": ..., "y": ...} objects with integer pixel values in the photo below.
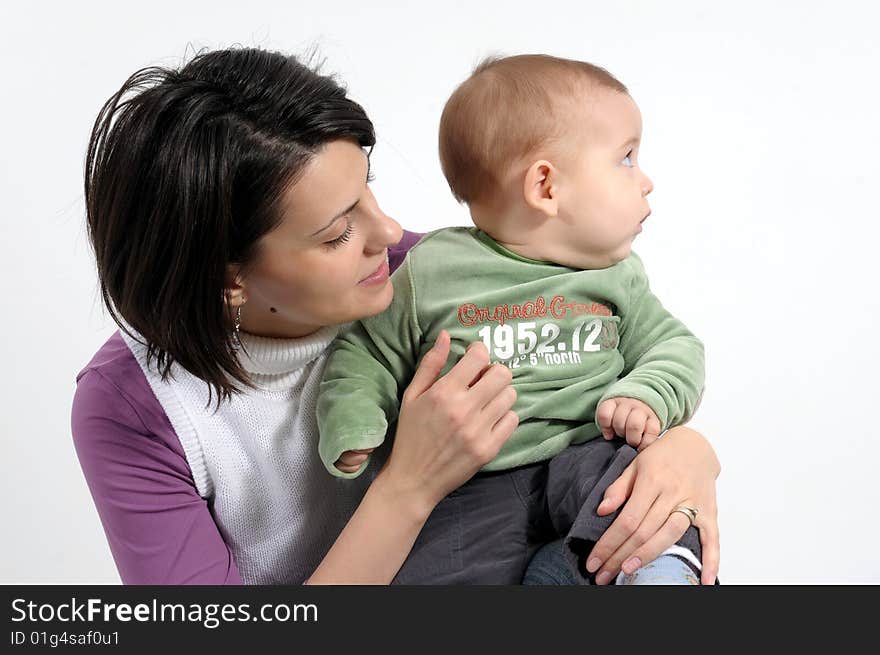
[{"x": 378, "y": 276}]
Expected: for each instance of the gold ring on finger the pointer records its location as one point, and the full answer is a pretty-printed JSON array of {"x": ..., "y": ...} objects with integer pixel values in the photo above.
[{"x": 689, "y": 512}]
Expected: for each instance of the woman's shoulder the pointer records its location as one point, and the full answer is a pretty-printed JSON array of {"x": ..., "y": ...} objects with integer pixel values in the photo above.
[
  {"x": 113, "y": 359},
  {"x": 112, "y": 390}
]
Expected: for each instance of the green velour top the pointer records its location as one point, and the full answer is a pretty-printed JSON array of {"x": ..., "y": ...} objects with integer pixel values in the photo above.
[{"x": 571, "y": 337}]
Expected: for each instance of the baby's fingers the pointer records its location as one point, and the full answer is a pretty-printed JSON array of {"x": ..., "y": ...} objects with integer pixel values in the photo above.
[
  {"x": 652, "y": 431},
  {"x": 621, "y": 415},
  {"x": 351, "y": 460},
  {"x": 604, "y": 416},
  {"x": 635, "y": 427}
]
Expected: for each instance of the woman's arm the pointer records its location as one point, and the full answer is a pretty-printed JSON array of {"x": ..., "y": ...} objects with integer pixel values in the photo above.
[
  {"x": 159, "y": 529},
  {"x": 448, "y": 428},
  {"x": 678, "y": 469}
]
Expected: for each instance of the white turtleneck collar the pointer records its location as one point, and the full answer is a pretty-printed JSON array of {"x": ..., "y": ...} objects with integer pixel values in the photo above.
[{"x": 276, "y": 364}]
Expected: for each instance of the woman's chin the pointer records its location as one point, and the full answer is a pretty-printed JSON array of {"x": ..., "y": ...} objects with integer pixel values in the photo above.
[{"x": 375, "y": 300}]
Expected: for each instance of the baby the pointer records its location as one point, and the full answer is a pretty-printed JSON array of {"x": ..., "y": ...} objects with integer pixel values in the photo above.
[{"x": 544, "y": 151}]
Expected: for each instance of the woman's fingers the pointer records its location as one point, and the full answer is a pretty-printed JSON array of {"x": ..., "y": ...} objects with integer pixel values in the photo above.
[
  {"x": 681, "y": 467},
  {"x": 634, "y": 547},
  {"x": 506, "y": 425},
  {"x": 710, "y": 543},
  {"x": 622, "y": 528},
  {"x": 660, "y": 530},
  {"x": 495, "y": 380},
  {"x": 670, "y": 531},
  {"x": 501, "y": 401},
  {"x": 469, "y": 368},
  {"x": 472, "y": 373},
  {"x": 430, "y": 367},
  {"x": 501, "y": 431},
  {"x": 618, "y": 491},
  {"x": 496, "y": 418}
]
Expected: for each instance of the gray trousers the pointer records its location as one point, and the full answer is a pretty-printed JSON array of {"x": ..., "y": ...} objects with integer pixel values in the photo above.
[{"x": 487, "y": 530}]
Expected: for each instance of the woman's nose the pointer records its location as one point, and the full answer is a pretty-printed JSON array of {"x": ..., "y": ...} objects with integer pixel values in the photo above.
[{"x": 384, "y": 230}]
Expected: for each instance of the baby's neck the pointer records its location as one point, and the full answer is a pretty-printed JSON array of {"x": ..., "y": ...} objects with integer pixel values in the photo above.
[
  {"x": 534, "y": 236},
  {"x": 541, "y": 244},
  {"x": 524, "y": 249},
  {"x": 519, "y": 234}
]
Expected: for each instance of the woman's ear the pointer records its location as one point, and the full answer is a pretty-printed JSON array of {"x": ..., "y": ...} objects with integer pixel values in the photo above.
[
  {"x": 540, "y": 188},
  {"x": 234, "y": 290}
]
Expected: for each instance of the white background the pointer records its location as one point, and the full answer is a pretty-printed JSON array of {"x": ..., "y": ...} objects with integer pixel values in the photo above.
[{"x": 761, "y": 136}]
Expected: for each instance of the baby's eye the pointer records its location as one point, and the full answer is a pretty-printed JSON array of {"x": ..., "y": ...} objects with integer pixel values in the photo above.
[{"x": 627, "y": 161}]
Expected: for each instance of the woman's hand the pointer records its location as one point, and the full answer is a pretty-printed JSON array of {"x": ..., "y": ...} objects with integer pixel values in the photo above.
[
  {"x": 449, "y": 428},
  {"x": 678, "y": 469}
]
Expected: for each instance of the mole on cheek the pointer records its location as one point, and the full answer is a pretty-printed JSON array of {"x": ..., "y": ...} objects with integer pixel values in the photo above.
[{"x": 273, "y": 310}]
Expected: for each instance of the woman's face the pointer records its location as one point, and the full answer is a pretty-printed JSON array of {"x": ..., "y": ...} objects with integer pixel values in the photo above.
[{"x": 327, "y": 261}]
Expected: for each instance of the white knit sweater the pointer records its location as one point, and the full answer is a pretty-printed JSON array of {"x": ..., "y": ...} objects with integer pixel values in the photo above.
[{"x": 256, "y": 458}]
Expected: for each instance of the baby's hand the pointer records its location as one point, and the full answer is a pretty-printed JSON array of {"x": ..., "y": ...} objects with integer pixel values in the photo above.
[
  {"x": 351, "y": 460},
  {"x": 630, "y": 418}
]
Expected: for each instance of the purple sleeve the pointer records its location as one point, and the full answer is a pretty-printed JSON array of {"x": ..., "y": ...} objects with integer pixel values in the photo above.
[
  {"x": 397, "y": 252},
  {"x": 159, "y": 529}
]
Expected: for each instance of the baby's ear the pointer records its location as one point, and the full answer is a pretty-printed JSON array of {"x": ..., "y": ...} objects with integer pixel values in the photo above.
[{"x": 539, "y": 188}]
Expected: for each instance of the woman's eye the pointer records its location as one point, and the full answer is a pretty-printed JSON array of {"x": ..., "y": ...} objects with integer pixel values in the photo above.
[
  {"x": 342, "y": 238},
  {"x": 370, "y": 178},
  {"x": 627, "y": 161}
]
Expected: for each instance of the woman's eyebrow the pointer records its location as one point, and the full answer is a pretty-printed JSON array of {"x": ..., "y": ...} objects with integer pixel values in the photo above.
[{"x": 345, "y": 211}]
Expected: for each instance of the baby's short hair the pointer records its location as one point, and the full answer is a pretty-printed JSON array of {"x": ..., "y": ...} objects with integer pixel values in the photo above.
[{"x": 507, "y": 108}]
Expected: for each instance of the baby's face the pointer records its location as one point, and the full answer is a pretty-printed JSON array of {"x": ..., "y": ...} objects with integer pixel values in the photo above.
[{"x": 603, "y": 192}]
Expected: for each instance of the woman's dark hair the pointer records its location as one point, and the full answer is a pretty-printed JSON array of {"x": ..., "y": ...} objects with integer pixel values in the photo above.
[{"x": 184, "y": 173}]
